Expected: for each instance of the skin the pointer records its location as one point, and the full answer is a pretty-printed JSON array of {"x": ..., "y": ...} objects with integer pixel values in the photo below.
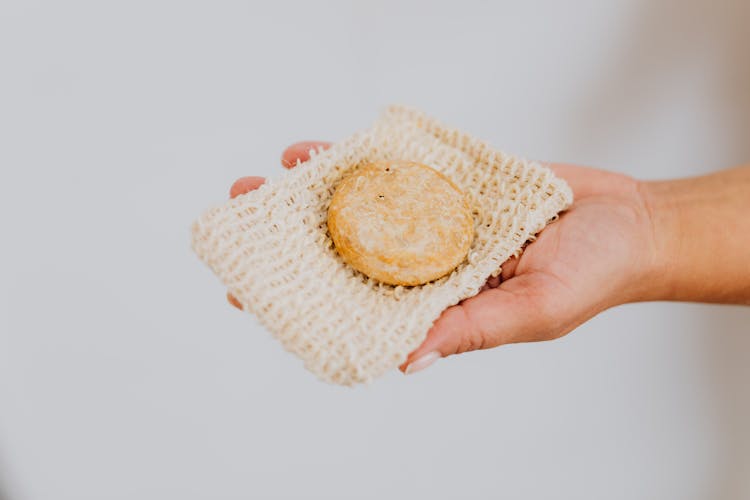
[{"x": 622, "y": 241}]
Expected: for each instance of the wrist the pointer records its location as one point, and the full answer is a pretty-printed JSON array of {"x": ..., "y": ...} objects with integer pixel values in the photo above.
[
  {"x": 700, "y": 237},
  {"x": 664, "y": 246}
]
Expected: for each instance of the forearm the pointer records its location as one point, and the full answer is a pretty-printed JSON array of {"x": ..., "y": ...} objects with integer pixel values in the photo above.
[{"x": 702, "y": 232}]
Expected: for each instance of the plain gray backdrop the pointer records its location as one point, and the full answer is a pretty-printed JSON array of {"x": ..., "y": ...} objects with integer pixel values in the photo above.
[{"x": 124, "y": 373}]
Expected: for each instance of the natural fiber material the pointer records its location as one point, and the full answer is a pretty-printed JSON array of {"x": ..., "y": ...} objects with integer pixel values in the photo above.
[{"x": 270, "y": 247}]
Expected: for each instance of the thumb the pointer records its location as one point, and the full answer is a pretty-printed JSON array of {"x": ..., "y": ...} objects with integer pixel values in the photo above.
[{"x": 513, "y": 312}]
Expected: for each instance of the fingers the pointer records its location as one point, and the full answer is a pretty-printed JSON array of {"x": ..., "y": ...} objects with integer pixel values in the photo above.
[
  {"x": 513, "y": 312},
  {"x": 585, "y": 181},
  {"x": 577, "y": 177},
  {"x": 300, "y": 151},
  {"x": 296, "y": 152},
  {"x": 509, "y": 268},
  {"x": 245, "y": 185}
]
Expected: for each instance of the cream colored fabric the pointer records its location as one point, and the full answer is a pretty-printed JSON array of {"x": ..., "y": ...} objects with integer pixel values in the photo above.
[{"x": 271, "y": 249}]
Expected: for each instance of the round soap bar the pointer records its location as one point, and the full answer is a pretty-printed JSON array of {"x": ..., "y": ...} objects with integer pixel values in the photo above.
[{"x": 400, "y": 222}]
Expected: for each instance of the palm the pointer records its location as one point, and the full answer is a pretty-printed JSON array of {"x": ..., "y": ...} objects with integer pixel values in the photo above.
[
  {"x": 587, "y": 261},
  {"x": 578, "y": 266},
  {"x": 588, "y": 254}
]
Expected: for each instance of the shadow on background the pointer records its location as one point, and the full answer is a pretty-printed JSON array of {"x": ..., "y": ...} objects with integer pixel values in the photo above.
[
  {"x": 3, "y": 492},
  {"x": 4, "y": 487},
  {"x": 735, "y": 77},
  {"x": 727, "y": 331},
  {"x": 728, "y": 328},
  {"x": 730, "y": 355},
  {"x": 672, "y": 41}
]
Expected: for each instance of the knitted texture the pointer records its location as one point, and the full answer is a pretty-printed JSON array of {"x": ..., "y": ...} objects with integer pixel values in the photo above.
[{"x": 271, "y": 249}]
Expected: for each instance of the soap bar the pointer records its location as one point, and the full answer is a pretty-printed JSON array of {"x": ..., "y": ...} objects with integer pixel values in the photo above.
[{"x": 400, "y": 222}]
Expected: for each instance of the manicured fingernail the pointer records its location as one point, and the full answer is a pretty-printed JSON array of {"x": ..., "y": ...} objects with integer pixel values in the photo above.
[
  {"x": 232, "y": 300},
  {"x": 422, "y": 362}
]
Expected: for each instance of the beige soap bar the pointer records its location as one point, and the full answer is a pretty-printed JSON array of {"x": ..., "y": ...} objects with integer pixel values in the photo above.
[{"x": 400, "y": 222}]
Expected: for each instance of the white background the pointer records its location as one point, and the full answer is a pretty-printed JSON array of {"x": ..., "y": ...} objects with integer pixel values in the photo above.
[{"x": 123, "y": 372}]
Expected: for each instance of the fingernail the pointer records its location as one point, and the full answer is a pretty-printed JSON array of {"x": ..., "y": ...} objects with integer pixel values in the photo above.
[
  {"x": 422, "y": 362},
  {"x": 232, "y": 300}
]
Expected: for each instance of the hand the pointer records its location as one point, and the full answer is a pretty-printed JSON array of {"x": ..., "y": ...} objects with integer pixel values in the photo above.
[
  {"x": 597, "y": 255},
  {"x": 602, "y": 252},
  {"x": 622, "y": 241}
]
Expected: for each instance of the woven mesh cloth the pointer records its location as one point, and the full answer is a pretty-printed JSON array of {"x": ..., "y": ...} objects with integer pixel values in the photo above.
[{"x": 271, "y": 249}]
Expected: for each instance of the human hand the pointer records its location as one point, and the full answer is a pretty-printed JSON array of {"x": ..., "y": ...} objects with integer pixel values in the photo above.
[
  {"x": 597, "y": 255},
  {"x": 621, "y": 241}
]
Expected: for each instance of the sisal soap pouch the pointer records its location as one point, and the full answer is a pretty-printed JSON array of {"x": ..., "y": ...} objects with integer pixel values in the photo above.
[{"x": 271, "y": 249}]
